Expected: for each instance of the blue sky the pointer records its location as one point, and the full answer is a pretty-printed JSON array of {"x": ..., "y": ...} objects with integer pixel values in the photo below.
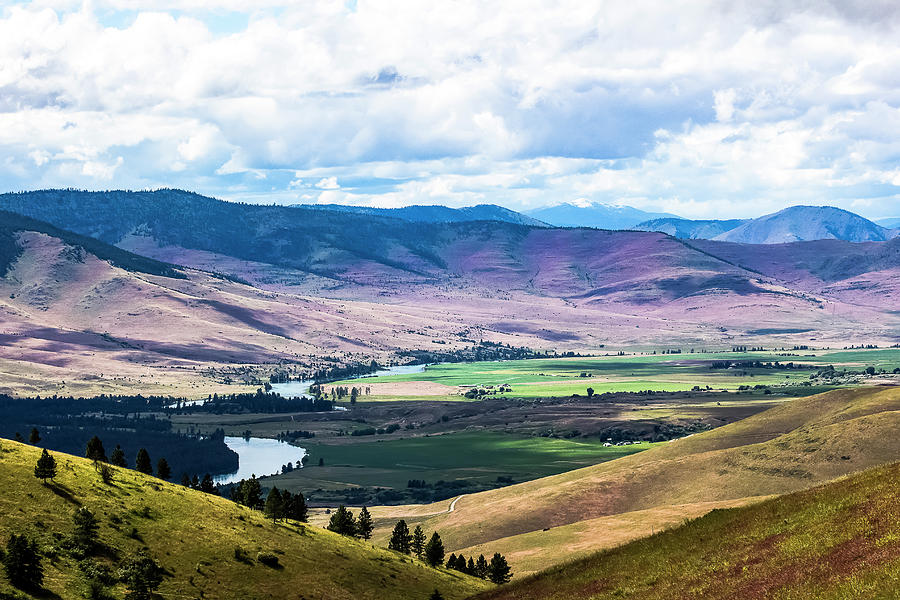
[{"x": 717, "y": 109}]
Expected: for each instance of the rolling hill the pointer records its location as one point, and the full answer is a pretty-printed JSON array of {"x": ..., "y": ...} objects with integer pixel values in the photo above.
[
  {"x": 690, "y": 229},
  {"x": 793, "y": 446},
  {"x": 194, "y": 537},
  {"x": 806, "y": 223},
  {"x": 594, "y": 214},
  {"x": 838, "y": 540}
]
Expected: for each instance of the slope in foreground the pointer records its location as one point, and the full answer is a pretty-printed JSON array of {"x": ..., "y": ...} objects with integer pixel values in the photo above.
[
  {"x": 839, "y": 540},
  {"x": 194, "y": 536}
]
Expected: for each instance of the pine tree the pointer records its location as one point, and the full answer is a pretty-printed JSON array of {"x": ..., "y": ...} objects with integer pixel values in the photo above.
[
  {"x": 142, "y": 576},
  {"x": 86, "y": 528},
  {"x": 400, "y": 538},
  {"x": 418, "y": 541},
  {"x": 207, "y": 485},
  {"x": 498, "y": 570},
  {"x": 435, "y": 595},
  {"x": 434, "y": 550},
  {"x": 186, "y": 482},
  {"x": 274, "y": 505},
  {"x": 342, "y": 522},
  {"x": 142, "y": 462},
  {"x": 46, "y": 466},
  {"x": 162, "y": 469},
  {"x": 22, "y": 562},
  {"x": 481, "y": 567},
  {"x": 34, "y": 437},
  {"x": 118, "y": 457},
  {"x": 451, "y": 561},
  {"x": 364, "y": 524},
  {"x": 95, "y": 451},
  {"x": 195, "y": 482},
  {"x": 470, "y": 566}
]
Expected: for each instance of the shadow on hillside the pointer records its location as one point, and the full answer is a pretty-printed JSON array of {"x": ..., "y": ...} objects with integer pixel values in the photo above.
[{"x": 63, "y": 492}]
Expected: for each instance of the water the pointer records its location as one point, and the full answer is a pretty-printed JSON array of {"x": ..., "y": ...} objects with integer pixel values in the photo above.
[
  {"x": 263, "y": 456},
  {"x": 295, "y": 389},
  {"x": 259, "y": 456}
]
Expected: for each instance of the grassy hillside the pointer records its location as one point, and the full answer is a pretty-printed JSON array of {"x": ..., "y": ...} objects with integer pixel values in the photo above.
[
  {"x": 787, "y": 448},
  {"x": 193, "y": 536},
  {"x": 840, "y": 540}
]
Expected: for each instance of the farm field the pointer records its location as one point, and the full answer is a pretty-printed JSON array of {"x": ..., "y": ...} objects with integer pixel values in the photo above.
[
  {"x": 535, "y": 378},
  {"x": 475, "y": 457}
]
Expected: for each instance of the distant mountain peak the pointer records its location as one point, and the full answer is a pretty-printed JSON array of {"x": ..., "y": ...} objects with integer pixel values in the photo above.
[
  {"x": 804, "y": 223},
  {"x": 582, "y": 212}
]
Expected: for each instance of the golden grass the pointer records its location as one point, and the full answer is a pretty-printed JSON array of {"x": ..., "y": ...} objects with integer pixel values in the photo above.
[{"x": 194, "y": 536}]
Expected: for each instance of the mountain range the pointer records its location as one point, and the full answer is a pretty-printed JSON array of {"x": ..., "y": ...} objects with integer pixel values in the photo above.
[{"x": 103, "y": 283}]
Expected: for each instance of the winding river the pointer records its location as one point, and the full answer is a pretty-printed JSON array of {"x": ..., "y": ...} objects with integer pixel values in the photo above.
[{"x": 264, "y": 456}]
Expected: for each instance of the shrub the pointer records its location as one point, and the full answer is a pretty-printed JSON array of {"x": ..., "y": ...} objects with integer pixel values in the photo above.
[{"x": 268, "y": 559}]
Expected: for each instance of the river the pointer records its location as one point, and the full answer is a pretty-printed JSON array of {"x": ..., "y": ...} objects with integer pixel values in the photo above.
[
  {"x": 264, "y": 456},
  {"x": 259, "y": 456}
]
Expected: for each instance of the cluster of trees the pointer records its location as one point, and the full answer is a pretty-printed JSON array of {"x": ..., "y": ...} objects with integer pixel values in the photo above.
[
  {"x": 22, "y": 561},
  {"x": 286, "y": 506},
  {"x": 497, "y": 570},
  {"x": 343, "y": 522},
  {"x": 432, "y": 552},
  {"x": 756, "y": 364},
  {"x": 132, "y": 421},
  {"x": 261, "y": 402},
  {"x": 481, "y": 351}
]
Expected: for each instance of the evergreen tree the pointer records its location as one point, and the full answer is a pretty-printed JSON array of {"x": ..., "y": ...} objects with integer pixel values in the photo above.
[
  {"x": 208, "y": 486},
  {"x": 22, "y": 562},
  {"x": 274, "y": 505},
  {"x": 498, "y": 570},
  {"x": 298, "y": 508},
  {"x": 95, "y": 451},
  {"x": 451, "y": 561},
  {"x": 418, "y": 541},
  {"x": 400, "y": 538},
  {"x": 186, "y": 482},
  {"x": 34, "y": 437},
  {"x": 481, "y": 567},
  {"x": 435, "y": 595},
  {"x": 142, "y": 462},
  {"x": 86, "y": 528},
  {"x": 434, "y": 550},
  {"x": 46, "y": 466},
  {"x": 342, "y": 522},
  {"x": 364, "y": 524},
  {"x": 118, "y": 457},
  {"x": 470, "y": 566},
  {"x": 248, "y": 492},
  {"x": 195, "y": 482},
  {"x": 141, "y": 575},
  {"x": 162, "y": 469}
]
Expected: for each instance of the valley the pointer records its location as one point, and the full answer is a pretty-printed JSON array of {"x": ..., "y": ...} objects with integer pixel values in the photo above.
[{"x": 550, "y": 393}]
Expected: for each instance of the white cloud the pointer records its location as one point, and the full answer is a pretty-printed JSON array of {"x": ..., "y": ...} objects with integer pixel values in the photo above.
[
  {"x": 328, "y": 183},
  {"x": 709, "y": 108}
]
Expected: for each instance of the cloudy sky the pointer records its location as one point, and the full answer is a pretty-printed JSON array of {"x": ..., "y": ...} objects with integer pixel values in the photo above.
[{"x": 701, "y": 109}]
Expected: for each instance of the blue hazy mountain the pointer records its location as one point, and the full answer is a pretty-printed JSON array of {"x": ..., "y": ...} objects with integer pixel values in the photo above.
[
  {"x": 805, "y": 223},
  {"x": 594, "y": 214}
]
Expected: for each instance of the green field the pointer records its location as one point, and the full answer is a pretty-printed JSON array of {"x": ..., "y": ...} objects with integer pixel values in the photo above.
[
  {"x": 478, "y": 457},
  {"x": 534, "y": 378}
]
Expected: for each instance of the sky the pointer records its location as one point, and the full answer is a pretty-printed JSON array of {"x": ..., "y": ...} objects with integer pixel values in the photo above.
[{"x": 702, "y": 109}]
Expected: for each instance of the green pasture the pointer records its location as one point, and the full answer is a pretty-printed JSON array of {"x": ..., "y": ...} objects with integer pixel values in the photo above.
[
  {"x": 480, "y": 456},
  {"x": 658, "y": 372}
]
